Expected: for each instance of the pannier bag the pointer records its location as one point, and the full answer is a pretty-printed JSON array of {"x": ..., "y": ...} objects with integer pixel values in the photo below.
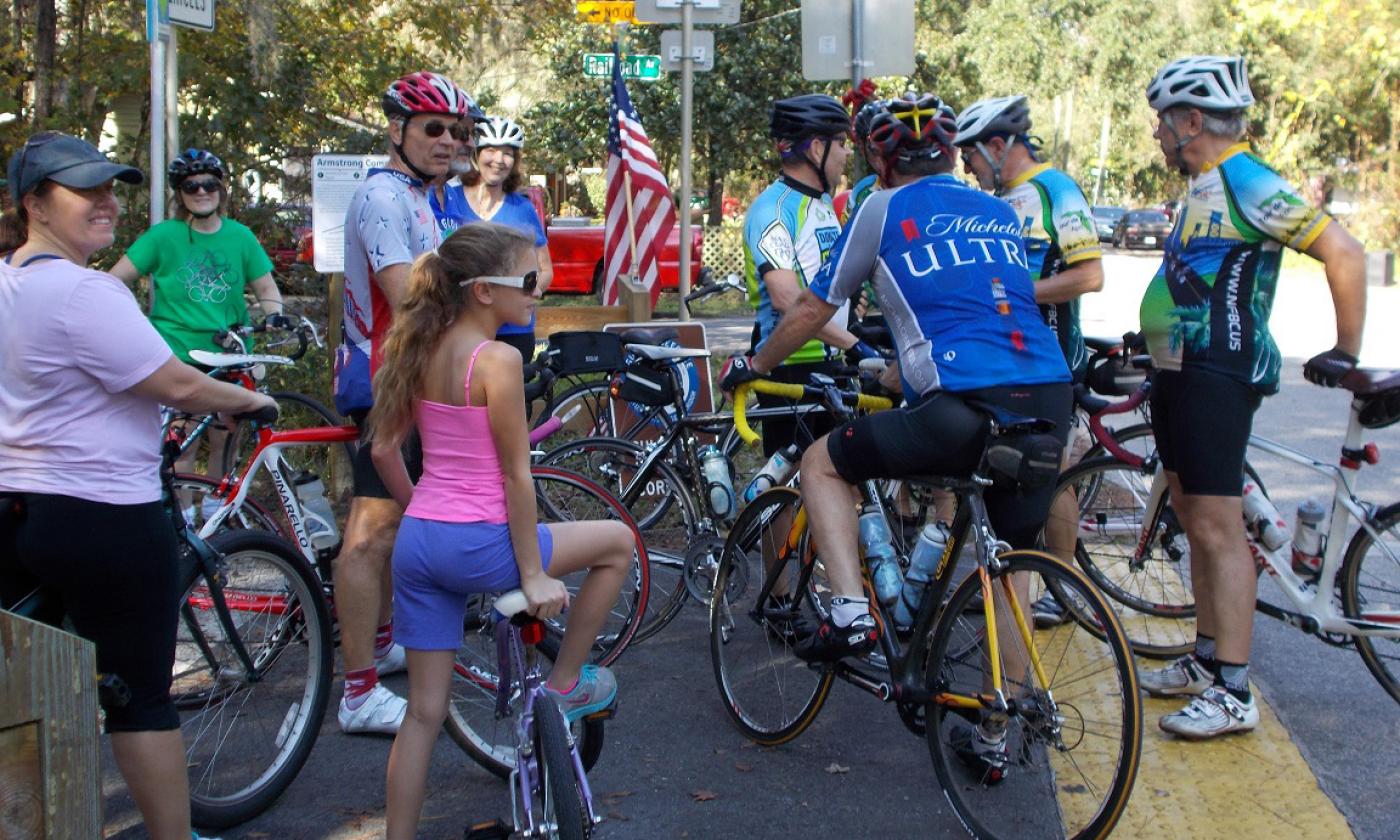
[{"x": 585, "y": 352}]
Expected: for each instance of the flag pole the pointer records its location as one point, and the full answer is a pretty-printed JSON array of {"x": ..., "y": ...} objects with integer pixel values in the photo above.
[{"x": 626, "y": 172}]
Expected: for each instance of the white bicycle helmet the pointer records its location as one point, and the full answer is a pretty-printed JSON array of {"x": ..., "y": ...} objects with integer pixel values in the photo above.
[
  {"x": 1000, "y": 115},
  {"x": 1208, "y": 82},
  {"x": 499, "y": 131}
]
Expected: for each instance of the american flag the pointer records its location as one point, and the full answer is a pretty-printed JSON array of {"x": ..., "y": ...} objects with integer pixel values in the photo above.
[{"x": 632, "y": 166}]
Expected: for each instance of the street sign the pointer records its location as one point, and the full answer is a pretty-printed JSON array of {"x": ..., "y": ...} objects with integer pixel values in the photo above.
[
  {"x": 701, "y": 11},
  {"x": 606, "y": 11},
  {"x": 887, "y": 39},
  {"x": 702, "y": 49},
  {"x": 196, "y": 14},
  {"x": 647, "y": 68}
]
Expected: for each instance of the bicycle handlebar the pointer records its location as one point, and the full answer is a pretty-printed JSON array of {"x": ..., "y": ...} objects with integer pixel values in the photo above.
[
  {"x": 267, "y": 414},
  {"x": 793, "y": 391},
  {"x": 305, "y": 330}
]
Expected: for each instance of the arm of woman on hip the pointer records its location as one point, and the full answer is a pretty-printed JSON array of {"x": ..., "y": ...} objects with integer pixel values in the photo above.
[
  {"x": 504, "y": 385},
  {"x": 180, "y": 386}
]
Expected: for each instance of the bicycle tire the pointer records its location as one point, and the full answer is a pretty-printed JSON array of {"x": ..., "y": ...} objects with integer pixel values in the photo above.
[
  {"x": 564, "y": 496},
  {"x": 1052, "y": 787},
  {"x": 471, "y": 711},
  {"x": 594, "y": 403},
  {"x": 1155, "y": 603},
  {"x": 268, "y": 721},
  {"x": 561, "y": 795},
  {"x": 1127, "y": 437},
  {"x": 774, "y": 705},
  {"x": 665, "y": 510},
  {"x": 250, "y": 515},
  {"x": 1382, "y": 579},
  {"x": 294, "y": 411}
]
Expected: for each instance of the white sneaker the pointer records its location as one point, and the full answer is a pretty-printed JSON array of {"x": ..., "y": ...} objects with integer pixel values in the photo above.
[
  {"x": 393, "y": 662},
  {"x": 381, "y": 713},
  {"x": 1216, "y": 712},
  {"x": 1184, "y": 677}
]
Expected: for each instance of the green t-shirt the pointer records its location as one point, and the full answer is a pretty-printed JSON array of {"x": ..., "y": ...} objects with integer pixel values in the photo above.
[{"x": 197, "y": 280}]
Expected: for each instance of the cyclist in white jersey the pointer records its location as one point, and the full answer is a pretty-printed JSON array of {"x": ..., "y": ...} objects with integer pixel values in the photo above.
[{"x": 389, "y": 224}]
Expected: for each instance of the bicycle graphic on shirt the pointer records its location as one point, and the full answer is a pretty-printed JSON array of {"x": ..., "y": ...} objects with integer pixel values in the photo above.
[{"x": 204, "y": 279}]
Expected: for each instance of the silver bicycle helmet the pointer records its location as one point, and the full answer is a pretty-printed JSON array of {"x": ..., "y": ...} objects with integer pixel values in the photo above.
[
  {"x": 1208, "y": 82},
  {"x": 499, "y": 131},
  {"x": 1008, "y": 115}
]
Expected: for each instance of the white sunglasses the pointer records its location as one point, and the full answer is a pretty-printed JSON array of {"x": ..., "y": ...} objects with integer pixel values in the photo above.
[{"x": 527, "y": 282}]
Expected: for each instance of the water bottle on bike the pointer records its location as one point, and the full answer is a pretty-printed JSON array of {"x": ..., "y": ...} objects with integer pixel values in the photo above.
[
  {"x": 777, "y": 471},
  {"x": 923, "y": 562},
  {"x": 879, "y": 554},
  {"x": 1307, "y": 539},
  {"x": 718, "y": 484},
  {"x": 320, "y": 519},
  {"x": 1263, "y": 517}
]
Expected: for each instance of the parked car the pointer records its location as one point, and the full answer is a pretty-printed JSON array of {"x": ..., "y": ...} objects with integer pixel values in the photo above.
[
  {"x": 1105, "y": 219},
  {"x": 576, "y": 249},
  {"x": 1142, "y": 229}
]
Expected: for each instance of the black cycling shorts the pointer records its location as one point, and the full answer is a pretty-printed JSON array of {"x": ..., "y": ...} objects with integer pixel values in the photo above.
[
  {"x": 778, "y": 432},
  {"x": 114, "y": 569},
  {"x": 365, "y": 477},
  {"x": 1201, "y": 421},
  {"x": 941, "y": 435}
]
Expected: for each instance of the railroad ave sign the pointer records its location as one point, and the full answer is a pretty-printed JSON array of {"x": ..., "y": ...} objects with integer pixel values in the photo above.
[
  {"x": 644, "y": 67},
  {"x": 606, "y": 11}
]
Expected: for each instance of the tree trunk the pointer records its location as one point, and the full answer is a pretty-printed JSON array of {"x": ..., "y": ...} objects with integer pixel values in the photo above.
[{"x": 45, "y": 41}]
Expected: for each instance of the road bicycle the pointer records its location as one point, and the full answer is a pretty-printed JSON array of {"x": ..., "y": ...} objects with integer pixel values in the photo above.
[
  {"x": 1066, "y": 699},
  {"x": 1131, "y": 544},
  {"x": 253, "y": 661},
  {"x": 501, "y": 707}
]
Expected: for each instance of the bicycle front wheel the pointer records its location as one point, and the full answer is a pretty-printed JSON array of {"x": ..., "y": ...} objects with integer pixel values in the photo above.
[
  {"x": 1370, "y": 584},
  {"x": 472, "y": 721},
  {"x": 199, "y": 502},
  {"x": 1156, "y": 604},
  {"x": 561, "y": 795},
  {"x": 248, "y": 731},
  {"x": 294, "y": 411},
  {"x": 586, "y": 410},
  {"x": 1071, "y": 728},
  {"x": 768, "y": 594}
]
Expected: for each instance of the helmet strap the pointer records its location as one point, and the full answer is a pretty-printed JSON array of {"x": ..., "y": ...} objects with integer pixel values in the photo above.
[
  {"x": 997, "y": 164},
  {"x": 1180, "y": 143},
  {"x": 821, "y": 167}
]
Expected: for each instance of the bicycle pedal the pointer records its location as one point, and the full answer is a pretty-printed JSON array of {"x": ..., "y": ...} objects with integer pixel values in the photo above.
[
  {"x": 493, "y": 830},
  {"x": 603, "y": 714}
]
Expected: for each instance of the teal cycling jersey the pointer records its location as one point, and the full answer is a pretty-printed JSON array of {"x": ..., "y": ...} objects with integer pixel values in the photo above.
[
  {"x": 1059, "y": 232},
  {"x": 1208, "y": 305},
  {"x": 860, "y": 192},
  {"x": 789, "y": 227}
]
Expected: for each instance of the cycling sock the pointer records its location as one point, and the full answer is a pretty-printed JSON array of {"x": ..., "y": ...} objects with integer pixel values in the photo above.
[
  {"x": 844, "y": 611},
  {"x": 358, "y": 685},
  {"x": 570, "y": 689},
  {"x": 383, "y": 640},
  {"x": 1234, "y": 678},
  {"x": 1205, "y": 651}
]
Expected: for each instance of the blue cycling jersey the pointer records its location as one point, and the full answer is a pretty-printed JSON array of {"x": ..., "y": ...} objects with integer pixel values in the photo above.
[{"x": 949, "y": 269}]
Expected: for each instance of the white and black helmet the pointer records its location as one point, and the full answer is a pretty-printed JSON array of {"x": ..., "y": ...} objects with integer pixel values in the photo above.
[
  {"x": 1208, "y": 82},
  {"x": 499, "y": 131},
  {"x": 1009, "y": 115}
]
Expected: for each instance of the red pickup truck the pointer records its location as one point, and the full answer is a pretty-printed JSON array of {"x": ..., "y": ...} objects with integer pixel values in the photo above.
[{"x": 576, "y": 249}]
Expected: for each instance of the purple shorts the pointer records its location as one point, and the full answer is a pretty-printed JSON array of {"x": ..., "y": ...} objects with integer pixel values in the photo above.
[{"x": 438, "y": 564}]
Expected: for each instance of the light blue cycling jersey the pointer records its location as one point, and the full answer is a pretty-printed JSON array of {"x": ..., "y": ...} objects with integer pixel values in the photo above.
[
  {"x": 950, "y": 272},
  {"x": 1059, "y": 232},
  {"x": 859, "y": 193},
  {"x": 789, "y": 227}
]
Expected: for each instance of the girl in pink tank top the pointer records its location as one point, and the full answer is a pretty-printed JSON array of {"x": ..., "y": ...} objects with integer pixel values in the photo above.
[{"x": 470, "y": 524}]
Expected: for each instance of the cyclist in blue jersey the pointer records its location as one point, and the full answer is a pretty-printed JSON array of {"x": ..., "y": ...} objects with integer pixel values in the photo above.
[
  {"x": 388, "y": 224},
  {"x": 1205, "y": 318},
  {"x": 788, "y": 234},
  {"x": 1062, "y": 247},
  {"x": 950, "y": 273}
]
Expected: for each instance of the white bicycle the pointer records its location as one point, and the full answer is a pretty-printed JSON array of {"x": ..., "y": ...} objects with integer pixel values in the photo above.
[{"x": 1131, "y": 545}]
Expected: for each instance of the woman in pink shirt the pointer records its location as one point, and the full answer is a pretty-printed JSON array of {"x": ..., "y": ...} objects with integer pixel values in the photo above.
[
  {"x": 470, "y": 524},
  {"x": 82, "y": 377}
]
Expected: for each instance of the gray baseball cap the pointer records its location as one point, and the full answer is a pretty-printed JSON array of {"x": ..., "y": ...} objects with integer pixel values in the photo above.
[{"x": 55, "y": 156}]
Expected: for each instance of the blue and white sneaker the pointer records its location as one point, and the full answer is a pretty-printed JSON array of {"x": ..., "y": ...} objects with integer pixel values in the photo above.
[{"x": 595, "y": 691}]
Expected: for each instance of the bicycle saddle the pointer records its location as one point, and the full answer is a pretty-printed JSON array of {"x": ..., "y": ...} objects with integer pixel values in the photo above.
[
  {"x": 658, "y": 353},
  {"x": 1365, "y": 382},
  {"x": 649, "y": 335},
  {"x": 228, "y": 360},
  {"x": 1005, "y": 422}
]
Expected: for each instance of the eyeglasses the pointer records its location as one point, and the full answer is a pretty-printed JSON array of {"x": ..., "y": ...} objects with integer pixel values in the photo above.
[
  {"x": 527, "y": 282},
  {"x": 192, "y": 187},
  {"x": 459, "y": 130}
]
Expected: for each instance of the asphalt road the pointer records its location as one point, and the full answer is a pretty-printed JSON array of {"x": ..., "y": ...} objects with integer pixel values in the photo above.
[{"x": 674, "y": 767}]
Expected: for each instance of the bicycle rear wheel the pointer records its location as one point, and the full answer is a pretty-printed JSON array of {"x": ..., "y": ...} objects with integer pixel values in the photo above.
[
  {"x": 1073, "y": 730},
  {"x": 248, "y": 733},
  {"x": 664, "y": 510},
  {"x": 294, "y": 411},
  {"x": 563, "y": 496},
  {"x": 1370, "y": 585},
  {"x": 770, "y": 694},
  {"x": 588, "y": 407},
  {"x": 1156, "y": 604},
  {"x": 561, "y": 797},
  {"x": 472, "y": 722}
]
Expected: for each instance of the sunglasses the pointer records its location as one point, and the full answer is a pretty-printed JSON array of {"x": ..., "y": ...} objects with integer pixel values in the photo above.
[
  {"x": 193, "y": 187},
  {"x": 459, "y": 130},
  {"x": 527, "y": 282}
]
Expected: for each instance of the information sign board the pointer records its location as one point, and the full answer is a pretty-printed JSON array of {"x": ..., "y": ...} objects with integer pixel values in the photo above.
[{"x": 334, "y": 180}]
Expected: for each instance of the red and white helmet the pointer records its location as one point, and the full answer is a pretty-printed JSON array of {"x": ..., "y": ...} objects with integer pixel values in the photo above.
[{"x": 428, "y": 93}]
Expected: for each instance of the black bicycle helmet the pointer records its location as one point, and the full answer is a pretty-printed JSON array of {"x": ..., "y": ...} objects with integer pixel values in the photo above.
[
  {"x": 916, "y": 125},
  {"x": 810, "y": 115},
  {"x": 860, "y": 126},
  {"x": 194, "y": 162}
]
